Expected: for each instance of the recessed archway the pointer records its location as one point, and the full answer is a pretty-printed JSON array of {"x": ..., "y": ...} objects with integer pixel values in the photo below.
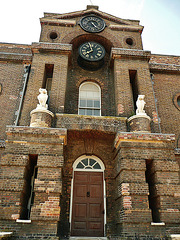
[{"x": 87, "y": 208}]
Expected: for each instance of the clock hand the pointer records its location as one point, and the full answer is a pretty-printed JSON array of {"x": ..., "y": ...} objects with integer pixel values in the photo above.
[
  {"x": 90, "y": 51},
  {"x": 90, "y": 46},
  {"x": 94, "y": 25}
]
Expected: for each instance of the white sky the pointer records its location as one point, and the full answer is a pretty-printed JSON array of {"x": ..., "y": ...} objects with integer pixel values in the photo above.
[{"x": 19, "y": 19}]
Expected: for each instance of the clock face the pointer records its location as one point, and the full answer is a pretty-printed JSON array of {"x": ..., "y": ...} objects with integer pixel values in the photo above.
[
  {"x": 91, "y": 51},
  {"x": 92, "y": 24}
]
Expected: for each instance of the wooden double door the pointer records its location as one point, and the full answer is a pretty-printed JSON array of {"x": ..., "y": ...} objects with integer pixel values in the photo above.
[{"x": 88, "y": 205}]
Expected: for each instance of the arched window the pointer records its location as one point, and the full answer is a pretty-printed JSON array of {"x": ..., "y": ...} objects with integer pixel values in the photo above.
[
  {"x": 89, "y": 99},
  {"x": 88, "y": 163}
]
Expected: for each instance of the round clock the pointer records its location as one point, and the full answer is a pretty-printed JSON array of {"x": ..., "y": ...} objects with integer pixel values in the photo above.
[
  {"x": 92, "y": 51},
  {"x": 92, "y": 24}
]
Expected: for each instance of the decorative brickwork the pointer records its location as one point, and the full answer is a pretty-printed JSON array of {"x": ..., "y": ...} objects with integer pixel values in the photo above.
[{"x": 141, "y": 175}]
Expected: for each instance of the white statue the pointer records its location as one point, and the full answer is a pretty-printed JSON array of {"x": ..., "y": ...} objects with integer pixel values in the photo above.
[
  {"x": 42, "y": 97},
  {"x": 140, "y": 103}
]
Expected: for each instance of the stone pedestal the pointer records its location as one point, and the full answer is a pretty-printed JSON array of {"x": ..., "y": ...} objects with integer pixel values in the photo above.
[
  {"x": 140, "y": 123},
  {"x": 41, "y": 118}
]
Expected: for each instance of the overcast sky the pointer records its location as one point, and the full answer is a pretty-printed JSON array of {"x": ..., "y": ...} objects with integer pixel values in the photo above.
[{"x": 161, "y": 19}]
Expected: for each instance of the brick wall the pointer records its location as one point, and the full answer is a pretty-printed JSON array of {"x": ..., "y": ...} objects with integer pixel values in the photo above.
[
  {"x": 132, "y": 191},
  {"x": 11, "y": 79},
  {"x": 47, "y": 145}
]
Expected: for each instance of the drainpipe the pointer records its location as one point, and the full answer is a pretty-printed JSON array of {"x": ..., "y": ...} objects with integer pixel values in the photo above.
[
  {"x": 155, "y": 100},
  {"x": 26, "y": 76}
]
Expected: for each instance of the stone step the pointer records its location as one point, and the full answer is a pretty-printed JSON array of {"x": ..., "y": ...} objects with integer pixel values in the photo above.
[
  {"x": 175, "y": 236},
  {"x": 88, "y": 238}
]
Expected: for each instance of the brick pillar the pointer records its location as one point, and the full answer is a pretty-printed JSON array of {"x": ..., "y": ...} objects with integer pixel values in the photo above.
[
  {"x": 47, "y": 145},
  {"x": 125, "y": 61},
  {"x": 134, "y": 211},
  {"x": 132, "y": 206},
  {"x": 46, "y": 53},
  {"x": 167, "y": 187},
  {"x": 48, "y": 189},
  {"x": 123, "y": 92},
  {"x": 58, "y": 87}
]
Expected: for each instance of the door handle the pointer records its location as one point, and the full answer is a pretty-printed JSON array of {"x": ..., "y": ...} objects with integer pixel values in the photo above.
[{"x": 88, "y": 194}]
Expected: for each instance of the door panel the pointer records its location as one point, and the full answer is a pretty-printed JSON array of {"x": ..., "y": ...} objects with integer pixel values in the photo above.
[{"x": 88, "y": 204}]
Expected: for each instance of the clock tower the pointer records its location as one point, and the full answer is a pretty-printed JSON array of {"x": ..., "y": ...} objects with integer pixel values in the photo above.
[{"x": 91, "y": 161}]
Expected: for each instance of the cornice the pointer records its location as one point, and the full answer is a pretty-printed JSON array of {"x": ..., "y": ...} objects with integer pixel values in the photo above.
[
  {"x": 51, "y": 47},
  {"x": 119, "y": 53}
]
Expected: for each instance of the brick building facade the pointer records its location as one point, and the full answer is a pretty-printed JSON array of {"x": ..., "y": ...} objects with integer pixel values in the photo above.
[{"x": 90, "y": 165}]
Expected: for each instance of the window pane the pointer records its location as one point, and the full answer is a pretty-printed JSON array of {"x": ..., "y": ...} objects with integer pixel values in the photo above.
[
  {"x": 81, "y": 111},
  {"x": 97, "y": 166},
  {"x": 89, "y": 112},
  {"x": 89, "y": 103},
  {"x": 83, "y": 103},
  {"x": 83, "y": 94},
  {"x": 178, "y": 101},
  {"x": 92, "y": 161},
  {"x": 90, "y": 95},
  {"x": 96, "y": 95},
  {"x": 96, "y": 112},
  {"x": 80, "y": 165},
  {"x": 97, "y": 104},
  {"x": 85, "y": 161}
]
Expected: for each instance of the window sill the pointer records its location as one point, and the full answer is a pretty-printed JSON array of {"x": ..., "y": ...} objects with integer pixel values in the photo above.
[
  {"x": 23, "y": 221},
  {"x": 157, "y": 224},
  {"x": 5, "y": 234}
]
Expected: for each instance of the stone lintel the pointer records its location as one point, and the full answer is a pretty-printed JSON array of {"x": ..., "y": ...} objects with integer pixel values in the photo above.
[
  {"x": 143, "y": 138},
  {"x": 119, "y": 53},
  {"x": 51, "y": 47}
]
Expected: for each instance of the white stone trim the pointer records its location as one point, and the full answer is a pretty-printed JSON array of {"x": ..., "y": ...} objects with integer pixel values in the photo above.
[
  {"x": 5, "y": 234},
  {"x": 90, "y": 170},
  {"x": 157, "y": 224},
  {"x": 175, "y": 236},
  {"x": 23, "y": 221}
]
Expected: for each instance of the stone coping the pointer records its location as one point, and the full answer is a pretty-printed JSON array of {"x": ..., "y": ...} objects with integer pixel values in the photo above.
[
  {"x": 142, "y": 137},
  {"x": 99, "y": 123},
  {"x": 38, "y": 110},
  {"x": 53, "y": 47},
  {"x": 133, "y": 28},
  {"x": 10, "y": 129},
  {"x": 164, "y": 67},
  {"x": 119, "y": 52},
  {"x": 139, "y": 116},
  {"x": 91, "y": 117},
  {"x": 59, "y": 22}
]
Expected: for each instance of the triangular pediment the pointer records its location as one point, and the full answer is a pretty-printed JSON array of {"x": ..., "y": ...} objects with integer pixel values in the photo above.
[{"x": 92, "y": 10}]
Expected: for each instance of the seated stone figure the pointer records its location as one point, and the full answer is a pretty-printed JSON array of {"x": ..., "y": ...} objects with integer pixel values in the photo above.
[
  {"x": 140, "y": 103},
  {"x": 42, "y": 97}
]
